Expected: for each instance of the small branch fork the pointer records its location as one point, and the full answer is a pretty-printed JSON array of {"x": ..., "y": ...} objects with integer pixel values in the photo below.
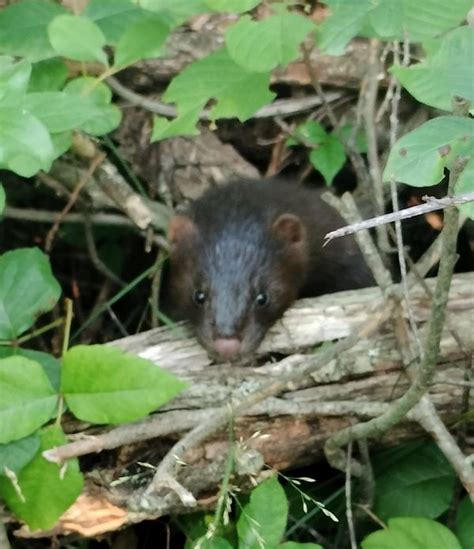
[{"x": 432, "y": 204}]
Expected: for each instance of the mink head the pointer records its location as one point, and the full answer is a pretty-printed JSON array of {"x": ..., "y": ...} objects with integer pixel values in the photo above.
[{"x": 234, "y": 279}]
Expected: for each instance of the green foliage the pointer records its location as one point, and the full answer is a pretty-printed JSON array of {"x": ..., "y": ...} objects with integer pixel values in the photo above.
[
  {"x": 216, "y": 76},
  {"x": 104, "y": 385},
  {"x": 2, "y": 199},
  {"x": 24, "y": 29},
  {"x": 262, "y": 521},
  {"x": 15, "y": 455},
  {"x": 48, "y": 75},
  {"x": 419, "y": 157},
  {"x": 78, "y": 38},
  {"x": 49, "y": 364},
  {"x": 465, "y": 523},
  {"x": 28, "y": 399},
  {"x": 46, "y": 490},
  {"x": 412, "y": 533},
  {"x": 27, "y": 289},
  {"x": 142, "y": 40},
  {"x": 388, "y": 20},
  {"x": 418, "y": 483},
  {"x": 465, "y": 184},
  {"x": 436, "y": 80},
  {"x": 113, "y": 17},
  {"x": 232, "y": 6},
  {"x": 263, "y": 45}
]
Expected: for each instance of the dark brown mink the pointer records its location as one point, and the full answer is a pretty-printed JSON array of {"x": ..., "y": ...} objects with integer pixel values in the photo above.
[{"x": 243, "y": 252}]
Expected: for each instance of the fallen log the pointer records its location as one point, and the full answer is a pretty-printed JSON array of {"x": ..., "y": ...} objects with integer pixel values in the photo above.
[{"x": 283, "y": 432}]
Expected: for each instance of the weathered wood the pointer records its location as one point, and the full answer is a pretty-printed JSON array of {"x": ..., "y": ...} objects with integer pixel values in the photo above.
[{"x": 291, "y": 429}]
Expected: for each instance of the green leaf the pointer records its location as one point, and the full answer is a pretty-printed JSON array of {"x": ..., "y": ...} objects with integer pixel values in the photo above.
[
  {"x": 77, "y": 38},
  {"x": 28, "y": 399},
  {"x": 263, "y": 520},
  {"x": 113, "y": 17},
  {"x": 311, "y": 131},
  {"x": 184, "y": 124},
  {"x": 104, "y": 385},
  {"x": 328, "y": 158},
  {"x": 49, "y": 364},
  {"x": 346, "y": 21},
  {"x": 61, "y": 143},
  {"x": 445, "y": 74},
  {"x": 27, "y": 290},
  {"x": 142, "y": 40},
  {"x": 176, "y": 12},
  {"x": 232, "y": 6},
  {"x": 412, "y": 533},
  {"x": 262, "y": 45},
  {"x": 25, "y": 144},
  {"x": 389, "y": 20},
  {"x": 49, "y": 75},
  {"x": 23, "y": 28},
  {"x": 48, "y": 489},
  {"x": 218, "y": 77},
  {"x": 14, "y": 77},
  {"x": 418, "y": 483},
  {"x": 465, "y": 185},
  {"x": 2, "y": 198},
  {"x": 465, "y": 523},
  {"x": 419, "y": 157},
  {"x": 215, "y": 542},
  {"x": 360, "y": 137},
  {"x": 103, "y": 116},
  {"x": 15, "y": 455}
]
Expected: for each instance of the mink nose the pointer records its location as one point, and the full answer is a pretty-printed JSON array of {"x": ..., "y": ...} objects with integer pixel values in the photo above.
[{"x": 227, "y": 347}]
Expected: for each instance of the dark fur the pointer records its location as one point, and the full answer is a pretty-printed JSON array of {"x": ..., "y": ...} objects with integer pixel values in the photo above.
[{"x": 232, "y": 250}]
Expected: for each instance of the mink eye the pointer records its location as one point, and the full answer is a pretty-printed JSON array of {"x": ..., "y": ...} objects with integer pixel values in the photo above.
[
  {"x": 199, "y": 297},
  {"x": 262, "y": 299}
]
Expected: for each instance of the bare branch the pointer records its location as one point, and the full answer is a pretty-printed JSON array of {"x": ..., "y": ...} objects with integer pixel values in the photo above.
[{"x": 432, "y": 205}]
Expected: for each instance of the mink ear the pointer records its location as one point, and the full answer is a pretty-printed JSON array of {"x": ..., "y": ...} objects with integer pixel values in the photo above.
[
  {"x": 181, "y": 229},
  {"x": 289, "y": 228}
]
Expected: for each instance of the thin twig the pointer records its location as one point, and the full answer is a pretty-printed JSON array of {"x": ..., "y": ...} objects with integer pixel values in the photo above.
[
  {"x": 72, "y": 199},
  {"x": 348, "y": 490},
  {"x": 425, "y": 371},
  {"x": 432, "y": 205},
  {"x": 282, "y": 107}
]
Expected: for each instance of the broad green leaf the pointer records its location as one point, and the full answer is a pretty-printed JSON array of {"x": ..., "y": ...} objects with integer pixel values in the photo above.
[
  {"x": 104, "y": 117},
  {"x": 465, "y": 185},
  {"x": 28, "y": 399},
  {"x": 232, "y": 6},
  {"x": 77, "y": 38},
  {"x": 104, "y": 385},
  {"x": 412, "y": 533},
  {"x": 215, "y": 542},
  {"x": 15, "y": 455},
  {"x": 24, "y": 28},
  {"x": 262, "y": 45},
  {"x": 61, "y": 143},
  {"x": 438, "y": 79},
  {"x": 48, "y": 75},
  {"x": 25, "y": 144},
  {"x": 142, "y": 40},
  {"x": 419, "y": 483},
  {"x": 419, "y": 157},
  {"x": 176, "y": 12},
  {"x": 262, "y": 521},
  {"x": 113, "y": 17},
  {"x": 297, "y": 545},
  {"x": 2, "y": 199},
  {"x": 14, "y": 77},
  {"x": 465, "y": 523},
  {"x": 218, "y": 77},
  {"x": 184, "y": 124},
  {"x": 48, "y": 489},
  {"x": 389, "y": 20},
  {"x": 27, "y": 290},
  {"x": 49, "y": 364},
  {"x": 346, "y": 21},
  {"x": 311, "y": 131},
  {"x": 328, "y": 158}
]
